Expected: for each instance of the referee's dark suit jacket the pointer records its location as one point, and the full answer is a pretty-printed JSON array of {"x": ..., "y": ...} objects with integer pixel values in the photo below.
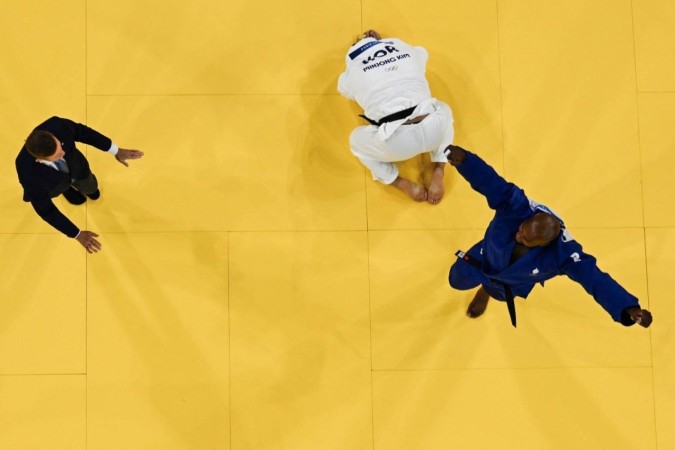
[{"x": 41, "y": 183}]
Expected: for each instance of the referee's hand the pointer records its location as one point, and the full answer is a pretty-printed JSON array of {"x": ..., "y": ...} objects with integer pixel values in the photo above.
[
  {"x": 123, "y": 154},
  {"x": 88, "y": 241}
]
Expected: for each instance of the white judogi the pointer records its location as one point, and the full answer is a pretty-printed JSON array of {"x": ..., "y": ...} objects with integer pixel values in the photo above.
[{"x": 385, "y": 77}]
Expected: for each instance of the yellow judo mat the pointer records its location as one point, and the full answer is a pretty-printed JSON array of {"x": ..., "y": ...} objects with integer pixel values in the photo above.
[{"x": 258, "y": 290}]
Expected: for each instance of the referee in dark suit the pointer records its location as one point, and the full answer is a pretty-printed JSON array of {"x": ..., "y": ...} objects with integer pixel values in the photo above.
[{"x": 49, "y": 165}]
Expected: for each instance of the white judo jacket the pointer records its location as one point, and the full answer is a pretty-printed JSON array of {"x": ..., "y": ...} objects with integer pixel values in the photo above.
[{"x": 385, "y": 76}]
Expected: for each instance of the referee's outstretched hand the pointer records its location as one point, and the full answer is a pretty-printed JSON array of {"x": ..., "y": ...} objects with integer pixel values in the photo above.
[
  {"x": 88, "y": 241},
  {"x": 123, "y": 154}
]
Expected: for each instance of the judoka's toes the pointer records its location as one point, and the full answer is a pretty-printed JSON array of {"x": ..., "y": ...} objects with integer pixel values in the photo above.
[
  {"x": 435, "y": 196},
  {"x": 436, "y": 188},
  {"x": 478, "y": 304},
  {"x": 474, "y": 312},
  {"x": 418, "y": 193}
]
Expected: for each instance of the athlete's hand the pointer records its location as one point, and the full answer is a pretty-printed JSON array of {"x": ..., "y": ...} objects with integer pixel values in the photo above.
[
  {"x": 456, "y": 155},
  {"x": 640, "y": 316},
  {"x": 88, "y": 241}
]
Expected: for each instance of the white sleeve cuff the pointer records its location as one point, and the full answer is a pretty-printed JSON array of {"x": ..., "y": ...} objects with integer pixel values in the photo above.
[{"x": 113, "y": 149}]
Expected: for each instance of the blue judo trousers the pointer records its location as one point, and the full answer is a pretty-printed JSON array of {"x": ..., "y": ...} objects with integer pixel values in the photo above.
[{"x": 563, "y": 256}]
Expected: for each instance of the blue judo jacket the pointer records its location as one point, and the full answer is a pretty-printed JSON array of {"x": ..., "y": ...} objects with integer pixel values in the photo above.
[{"x": 562, "y": 256}]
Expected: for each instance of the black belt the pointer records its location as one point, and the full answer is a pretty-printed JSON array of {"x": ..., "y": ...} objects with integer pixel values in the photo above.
[
  {"x": 510, "y": 304},
  {"x": 391, "y": 117}
]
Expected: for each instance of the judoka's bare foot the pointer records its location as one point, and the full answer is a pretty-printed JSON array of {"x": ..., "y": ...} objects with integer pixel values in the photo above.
[
  {"x": 414, "y": 191},
  {"x": 478, "y": 304},
  {"x": 436, "y": 188}
]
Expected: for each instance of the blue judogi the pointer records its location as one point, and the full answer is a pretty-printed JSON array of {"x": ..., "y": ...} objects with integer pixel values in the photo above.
[{"x": 562, "y": 256}]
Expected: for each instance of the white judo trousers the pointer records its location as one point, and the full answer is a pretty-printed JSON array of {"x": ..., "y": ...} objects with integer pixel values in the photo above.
[
  {"x": 378, "y": 152},
  {"x": 384, "y": 77}
]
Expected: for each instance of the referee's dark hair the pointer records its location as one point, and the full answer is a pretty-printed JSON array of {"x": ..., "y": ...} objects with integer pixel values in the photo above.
[{"x": 41, "y": 144}]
